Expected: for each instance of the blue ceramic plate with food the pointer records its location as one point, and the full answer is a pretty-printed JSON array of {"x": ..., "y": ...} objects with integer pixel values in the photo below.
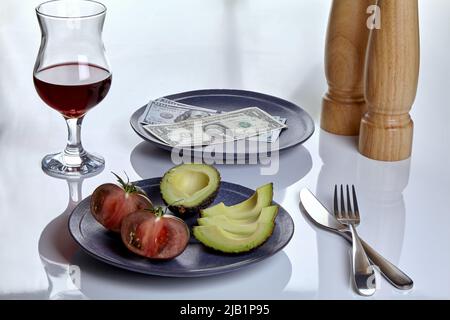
[{"x": 197, "y": 260}]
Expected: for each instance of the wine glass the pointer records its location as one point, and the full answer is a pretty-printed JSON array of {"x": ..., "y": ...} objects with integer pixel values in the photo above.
[{"x": 72, "y": 75}]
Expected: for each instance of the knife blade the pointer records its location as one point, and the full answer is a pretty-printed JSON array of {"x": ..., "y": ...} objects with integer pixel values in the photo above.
[
  {"x": 319, "y": 214},
  {"x": 316, "y": 212}
]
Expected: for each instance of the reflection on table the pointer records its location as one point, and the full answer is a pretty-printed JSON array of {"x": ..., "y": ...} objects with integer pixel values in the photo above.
[
  {"x": 291, "y": 166},
  {"x": 379, "y": 186},
  {"x": 56, "y": 248}
]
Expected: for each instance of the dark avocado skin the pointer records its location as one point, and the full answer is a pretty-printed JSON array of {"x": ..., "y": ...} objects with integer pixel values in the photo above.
[
  {"x": 186, "y": 212},
  {"x": 182, "y": 211}
]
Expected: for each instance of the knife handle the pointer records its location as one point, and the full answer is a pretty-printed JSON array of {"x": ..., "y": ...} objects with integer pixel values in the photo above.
[{"x": 392, "y": 273}]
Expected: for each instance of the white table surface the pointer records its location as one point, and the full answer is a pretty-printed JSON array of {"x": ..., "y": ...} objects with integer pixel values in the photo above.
[{"x": 162, "y": 47}]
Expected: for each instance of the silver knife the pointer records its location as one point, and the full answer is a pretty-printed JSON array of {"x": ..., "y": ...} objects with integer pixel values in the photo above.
[{"x": 317, "y": 212}]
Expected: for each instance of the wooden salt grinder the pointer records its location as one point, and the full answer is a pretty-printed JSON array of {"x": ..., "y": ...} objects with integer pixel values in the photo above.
[
  {"x": 392, "y": 72},
  {"x": 345, "y": 52}
]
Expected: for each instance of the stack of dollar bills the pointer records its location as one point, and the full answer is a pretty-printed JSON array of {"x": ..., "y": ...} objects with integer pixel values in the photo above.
[{"x": 181, "y": 125}]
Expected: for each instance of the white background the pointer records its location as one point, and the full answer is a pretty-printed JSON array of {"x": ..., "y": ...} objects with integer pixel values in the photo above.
[{"x": 274, "y": 47}]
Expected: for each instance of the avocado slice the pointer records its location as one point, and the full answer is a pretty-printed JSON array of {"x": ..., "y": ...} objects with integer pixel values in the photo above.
[
  {"x": 248, "y": 209},
  {"x": 216, "y": 237},
  {"x": 188, "y": 188},
  {"x": 240, "y": 227}
]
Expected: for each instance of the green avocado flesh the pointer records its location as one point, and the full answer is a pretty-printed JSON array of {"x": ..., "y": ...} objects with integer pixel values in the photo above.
[
  {"x": 188, "y": 188},
  {"x": 240, "y": 227},
  {"x": 222, "y": 239},
  {"x": 246, "y": 210}
]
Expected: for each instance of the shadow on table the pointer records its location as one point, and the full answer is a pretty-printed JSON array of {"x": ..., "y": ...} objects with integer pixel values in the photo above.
[
  {"x": 6, "y": 76},
  {"x": 308, "y": 94},
  {"x": 232, "y": 47},
  {"x": 379, "y": 186},
  {"x": 293, "y": 164},
  {"x": 262, "y": 280}
]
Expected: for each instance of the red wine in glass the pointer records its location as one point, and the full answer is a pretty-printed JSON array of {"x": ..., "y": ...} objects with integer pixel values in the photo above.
[
  {"x": 72, "y": 88},
  {"x": 72, "y": 75}
]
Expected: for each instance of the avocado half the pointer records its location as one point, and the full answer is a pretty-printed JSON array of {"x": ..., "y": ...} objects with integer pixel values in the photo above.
[
  {"x": 219, "y": 238},
  {"x": 188, "y": 188}
]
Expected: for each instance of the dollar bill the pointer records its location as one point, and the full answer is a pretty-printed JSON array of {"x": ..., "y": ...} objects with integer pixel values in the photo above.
[
  {"x": 272, "y": 136},
  {"x": 218, "y": 128},
  {"x": 165, "y": 111}
]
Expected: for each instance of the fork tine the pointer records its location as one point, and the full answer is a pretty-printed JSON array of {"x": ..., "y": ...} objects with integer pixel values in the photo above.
[
  {"x": 336, "y": 206},
  {"x": 343, "y": 211},
  {"x": 355, "y": 203},
  {"x": 349, "y": 206}
]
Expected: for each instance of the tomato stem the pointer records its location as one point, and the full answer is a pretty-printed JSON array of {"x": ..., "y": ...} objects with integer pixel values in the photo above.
[
  {"x": 128, "y": 187},
  {"x": 159, "y": 211}
]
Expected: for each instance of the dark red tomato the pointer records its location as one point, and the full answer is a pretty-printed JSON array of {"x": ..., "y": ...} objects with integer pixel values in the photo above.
[
  {"x": 155, "y": 237},
  {"x": 111, "y": 203}
]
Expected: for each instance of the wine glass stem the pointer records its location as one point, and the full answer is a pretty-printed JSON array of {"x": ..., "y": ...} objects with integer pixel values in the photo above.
[
  {"x": 74, "y": 148},
  {"x": 75, "y": 191}
]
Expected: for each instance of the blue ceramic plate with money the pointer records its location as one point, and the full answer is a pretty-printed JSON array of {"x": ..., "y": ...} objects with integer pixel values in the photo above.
[
  {"x": 196, "y": 260},
  {"x": 300, "y": 125}
]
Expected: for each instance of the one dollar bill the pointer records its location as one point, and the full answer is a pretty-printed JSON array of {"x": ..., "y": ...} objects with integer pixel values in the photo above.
[
  {"x": 271, "y": 136},
  {"x": 220, "y": 128},
  {"x": 165, "y": 111}
]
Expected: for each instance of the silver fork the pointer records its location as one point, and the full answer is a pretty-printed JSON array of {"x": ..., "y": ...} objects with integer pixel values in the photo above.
[{"x": 363, "y": 271}]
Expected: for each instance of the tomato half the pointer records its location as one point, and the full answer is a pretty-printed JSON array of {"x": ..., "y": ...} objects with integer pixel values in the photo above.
[
  {"x": 111, "y": 203},
  {"x": 155, "y": 237}
]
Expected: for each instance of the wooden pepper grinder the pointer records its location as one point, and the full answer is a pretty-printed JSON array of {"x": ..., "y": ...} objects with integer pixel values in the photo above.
[
  {"x": 392, "y": 71},
  {"x": 345, "y": 53}
]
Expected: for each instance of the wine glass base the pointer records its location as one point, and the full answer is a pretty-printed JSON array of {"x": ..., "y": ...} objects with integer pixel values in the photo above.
[{"x": 62, "y": 165}]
